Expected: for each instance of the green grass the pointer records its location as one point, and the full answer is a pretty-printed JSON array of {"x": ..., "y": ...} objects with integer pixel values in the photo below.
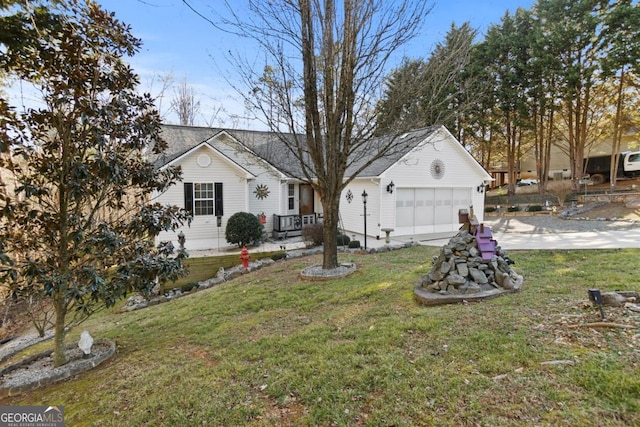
[
  {"x": 204, "y": 268},
  {"x": 271, "y": 349}
]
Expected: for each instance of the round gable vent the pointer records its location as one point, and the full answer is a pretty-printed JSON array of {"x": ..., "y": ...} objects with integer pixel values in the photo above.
[
  {"x": 204, "y": 160},
  {"x": 437, "y": 169}
]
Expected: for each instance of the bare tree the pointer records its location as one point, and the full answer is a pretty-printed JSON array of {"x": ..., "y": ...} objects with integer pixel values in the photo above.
[
  {"x": 327, "y": 63},
  {"x": 185, "y": 104},
  {"x": 157, "y": 86},
  {"x": 217, "y": 115}
]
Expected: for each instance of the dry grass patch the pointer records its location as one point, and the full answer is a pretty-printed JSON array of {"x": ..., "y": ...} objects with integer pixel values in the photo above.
[{"x": 613, "y": 210}]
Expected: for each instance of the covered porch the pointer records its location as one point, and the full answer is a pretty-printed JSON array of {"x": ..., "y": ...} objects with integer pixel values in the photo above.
[{"x": 285, "y": 226}]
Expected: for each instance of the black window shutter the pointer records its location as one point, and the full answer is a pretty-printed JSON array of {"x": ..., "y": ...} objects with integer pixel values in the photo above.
[
  {"x": 188, "y": 197},
  {"x": 219, "y": 210}
]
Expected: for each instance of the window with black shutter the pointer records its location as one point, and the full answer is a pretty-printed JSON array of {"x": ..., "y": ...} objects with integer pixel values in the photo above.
[
  {"x": 203, "y": 198},
  {"x": 219, "y": 209},
  {"x": 188, "y": 197}
]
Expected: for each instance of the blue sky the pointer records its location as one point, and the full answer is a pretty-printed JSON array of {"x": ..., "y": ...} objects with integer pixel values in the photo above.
[{"x": 176, "y": 41}]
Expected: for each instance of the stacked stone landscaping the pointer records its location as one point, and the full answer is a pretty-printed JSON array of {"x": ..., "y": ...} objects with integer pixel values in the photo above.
[{"x": 461, "y": 273}]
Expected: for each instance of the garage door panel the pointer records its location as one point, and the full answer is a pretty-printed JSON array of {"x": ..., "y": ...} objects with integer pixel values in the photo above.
[
  {"x": 461, "y": 199},
  {"x": 404, "y": 207},
  {"x": 444, "y": 213},
  {"x": 429, "y": 210},
  {"x": 424, "y": 207}
]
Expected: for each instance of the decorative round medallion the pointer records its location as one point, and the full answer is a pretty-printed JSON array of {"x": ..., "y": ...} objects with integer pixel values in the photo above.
[
  {"x": 349, "y": 196},
  {"x": 261, "y": 191},
  {"x": 437, "y": 169},
  {"x": 203, "y": 160}
]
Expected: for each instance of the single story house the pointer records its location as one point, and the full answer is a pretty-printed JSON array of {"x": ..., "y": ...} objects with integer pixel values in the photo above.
[{"x": 417, "y": 190}]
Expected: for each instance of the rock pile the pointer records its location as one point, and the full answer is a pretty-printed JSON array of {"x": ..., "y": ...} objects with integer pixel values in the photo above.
[{"x": 459, "y": 272}]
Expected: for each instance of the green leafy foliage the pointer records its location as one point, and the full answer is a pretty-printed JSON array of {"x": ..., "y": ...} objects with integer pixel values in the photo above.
[
  {"x": 243, "y": 228},
  {"x": 422, "y": 93},
  {"x": 354, "y": 244},
  {"x": 78, "y": 222},
  {"x": 343, "y": 239}
]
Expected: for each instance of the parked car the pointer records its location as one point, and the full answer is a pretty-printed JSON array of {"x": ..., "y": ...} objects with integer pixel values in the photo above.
[{"x": 528, "y": 181}]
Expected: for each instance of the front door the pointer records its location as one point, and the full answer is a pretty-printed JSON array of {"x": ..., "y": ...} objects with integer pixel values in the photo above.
[{"x": 306, "y": 199}]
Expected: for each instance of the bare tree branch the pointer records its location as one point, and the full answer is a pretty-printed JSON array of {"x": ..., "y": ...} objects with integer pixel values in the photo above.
[
  {"x": 185, "y": 104},
  {"x": 317, "y": 88}
]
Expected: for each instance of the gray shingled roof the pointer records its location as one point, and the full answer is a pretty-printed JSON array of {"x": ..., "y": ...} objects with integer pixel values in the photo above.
[
  {"x": 181, "y": 139},
  {"x": 402, "y": 144}
]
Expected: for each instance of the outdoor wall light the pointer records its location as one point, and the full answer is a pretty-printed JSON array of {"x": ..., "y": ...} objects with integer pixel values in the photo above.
[
  {"x": 390, "y": 187},
  {"x": 480, "y": 188}
]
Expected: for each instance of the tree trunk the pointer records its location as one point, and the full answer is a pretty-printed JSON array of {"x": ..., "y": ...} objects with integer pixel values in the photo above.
[
  {"x": 617, "y": 133},
  {"x": 511, "y": 157},
  {"x": 538, "y": 147},
  {"x": 549, "y": 139},
  {"x": 60, "y": 307},
  {"x": 331, "y": 212}
]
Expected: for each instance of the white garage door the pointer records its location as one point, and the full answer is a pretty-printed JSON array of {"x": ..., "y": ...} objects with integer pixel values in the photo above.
[{"x": 429, "y": 210}]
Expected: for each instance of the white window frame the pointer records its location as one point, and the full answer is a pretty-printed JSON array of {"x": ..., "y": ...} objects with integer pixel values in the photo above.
[{"x": 203, "y": 198}]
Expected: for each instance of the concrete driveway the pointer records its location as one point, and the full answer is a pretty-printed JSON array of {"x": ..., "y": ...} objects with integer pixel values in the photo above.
[{"x": 555, "y": 233}]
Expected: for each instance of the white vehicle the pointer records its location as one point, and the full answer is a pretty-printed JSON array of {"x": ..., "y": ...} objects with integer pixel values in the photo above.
[
  {"x": 525, "y": 182},
  {"x": 599, "y": 167}
]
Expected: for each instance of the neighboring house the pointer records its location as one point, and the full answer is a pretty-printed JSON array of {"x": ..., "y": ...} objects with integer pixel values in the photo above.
[
  {"x": 559, "y": 164},
  {"x": 226, "y": 171}
]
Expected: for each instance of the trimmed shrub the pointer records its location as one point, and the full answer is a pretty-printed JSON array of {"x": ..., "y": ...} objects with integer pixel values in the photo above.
[
  {"x": 513, "y": 209},
  {"x": 535, "y": 208},
  {"x": 490, "y": 209},
  {"x": 343, "y": 240},
  {"x": 278, "y": 256},
  {"x": 243, "y": 228},
  {"x": 312, "y": 234},
  {"x": 354, "y": 244}
]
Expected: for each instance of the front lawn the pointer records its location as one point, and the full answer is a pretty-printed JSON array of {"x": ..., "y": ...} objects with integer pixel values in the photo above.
[{"x": 271, "y": 349}]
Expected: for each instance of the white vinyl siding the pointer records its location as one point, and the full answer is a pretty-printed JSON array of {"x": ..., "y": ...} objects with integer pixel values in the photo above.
[{"x": 203, "y": 233}]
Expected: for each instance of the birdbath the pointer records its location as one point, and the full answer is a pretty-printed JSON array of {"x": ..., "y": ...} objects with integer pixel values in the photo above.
[{"x": 387, "y": 231}]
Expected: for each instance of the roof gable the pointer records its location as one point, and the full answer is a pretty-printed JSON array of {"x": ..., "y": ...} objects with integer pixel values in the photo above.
[
  {"x": 184, "y": 140},
  {"x": 241, "y": 170},
  {"x": 402, "y": 145},
  {"x": 442, "y": 140},
  {"x": 255, "y": 151}
]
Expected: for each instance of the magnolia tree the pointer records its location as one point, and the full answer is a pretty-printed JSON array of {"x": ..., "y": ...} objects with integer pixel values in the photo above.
[{"x": 78, "y": 221}]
